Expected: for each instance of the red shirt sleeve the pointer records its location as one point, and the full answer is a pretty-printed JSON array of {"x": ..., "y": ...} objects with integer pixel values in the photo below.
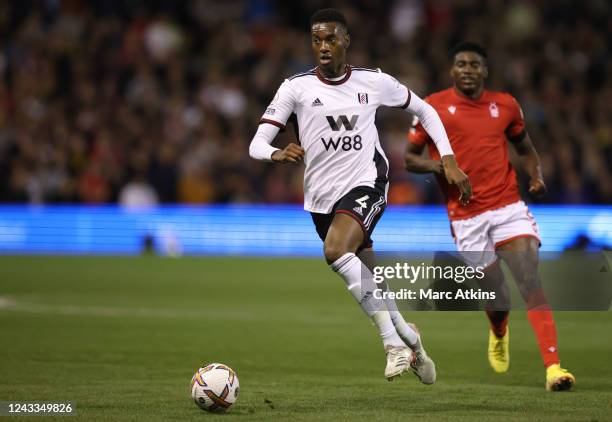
[
  {"x": 516, "y": 128},
  {"x": 418, "y": 136}
]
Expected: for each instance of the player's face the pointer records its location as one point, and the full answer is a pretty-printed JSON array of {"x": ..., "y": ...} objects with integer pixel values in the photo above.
[
  {"x": 469, "y": 72},
  {"x": 329, "y": 44}
]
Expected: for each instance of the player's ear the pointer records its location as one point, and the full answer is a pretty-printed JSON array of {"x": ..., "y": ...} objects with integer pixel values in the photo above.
[
  {"x": 347, "y": 40},
  {"x": 485, "y": 71}
]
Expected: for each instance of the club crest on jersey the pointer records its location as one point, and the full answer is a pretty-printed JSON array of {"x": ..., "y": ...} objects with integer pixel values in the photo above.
[
  {"x": 452, "y": 109},
  {"x": 493, "y": 110},
  {"x": 362, "y": 98},
  {"x": 316, "y": 103}
]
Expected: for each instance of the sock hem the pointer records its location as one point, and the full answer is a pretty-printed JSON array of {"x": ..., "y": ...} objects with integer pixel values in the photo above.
[{"x": 338, "y": 264}]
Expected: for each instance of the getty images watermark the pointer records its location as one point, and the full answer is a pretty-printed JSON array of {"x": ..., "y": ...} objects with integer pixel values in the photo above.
[
  {"x": 572, "y": 280},
  {"x": 412, "y": 273}
]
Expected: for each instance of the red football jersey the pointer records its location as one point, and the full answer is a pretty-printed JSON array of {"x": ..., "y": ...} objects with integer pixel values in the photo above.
[{"x": 478, "y": 131}]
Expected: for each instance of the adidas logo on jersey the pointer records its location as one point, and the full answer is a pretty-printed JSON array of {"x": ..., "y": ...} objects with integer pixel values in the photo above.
[
  {"x": 317, "y": 102},
  {"x": 358, "y": 210}
]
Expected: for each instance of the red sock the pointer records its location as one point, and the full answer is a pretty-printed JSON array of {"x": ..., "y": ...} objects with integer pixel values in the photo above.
[
  {"x": 499, "y": 322},
  {"x": 541, "y": 320}
]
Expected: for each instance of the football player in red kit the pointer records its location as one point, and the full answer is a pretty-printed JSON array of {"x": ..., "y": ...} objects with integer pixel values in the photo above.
[{"x": 496, "y": 223}]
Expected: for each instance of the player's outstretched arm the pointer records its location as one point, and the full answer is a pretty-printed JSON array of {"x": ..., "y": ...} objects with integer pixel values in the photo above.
[
  {"x": 429, "y": 119},
  {"x": 530, "y": 164},
  {"x": 435, "y": 129}
]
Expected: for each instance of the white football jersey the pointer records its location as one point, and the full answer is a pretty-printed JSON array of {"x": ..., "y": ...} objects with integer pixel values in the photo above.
[{"x": 335, "y": 120}]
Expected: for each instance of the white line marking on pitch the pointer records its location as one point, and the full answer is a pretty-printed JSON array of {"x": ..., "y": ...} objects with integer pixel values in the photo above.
[{"x": 10, "y": 304}]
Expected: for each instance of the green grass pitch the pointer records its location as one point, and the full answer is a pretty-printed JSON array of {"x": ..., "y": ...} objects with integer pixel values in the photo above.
[{"x": 121, "y": 337}]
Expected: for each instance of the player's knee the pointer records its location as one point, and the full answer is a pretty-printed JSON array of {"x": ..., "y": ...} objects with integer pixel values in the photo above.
[{"x": 334, "y": 251}]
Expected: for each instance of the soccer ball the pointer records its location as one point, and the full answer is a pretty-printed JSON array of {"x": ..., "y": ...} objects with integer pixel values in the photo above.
[{"x": 214, "y": 387}]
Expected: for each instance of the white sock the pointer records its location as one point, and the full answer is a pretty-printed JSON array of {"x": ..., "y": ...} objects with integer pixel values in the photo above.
[
  {"x": 405, "y": 331},
  {"x": 360, "y": 283}
]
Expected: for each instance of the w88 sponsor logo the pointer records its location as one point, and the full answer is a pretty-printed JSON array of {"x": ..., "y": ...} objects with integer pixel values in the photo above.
[{"x": 343, "y": 143}]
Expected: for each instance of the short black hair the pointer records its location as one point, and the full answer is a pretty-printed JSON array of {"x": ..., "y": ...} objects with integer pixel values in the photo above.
[
  {"x": 328, "y": 15},
  {"x": 469, "y": 46}
]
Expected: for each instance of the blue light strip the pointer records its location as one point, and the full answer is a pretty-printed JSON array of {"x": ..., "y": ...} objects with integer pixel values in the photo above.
[{"x": 257, "y": 230}]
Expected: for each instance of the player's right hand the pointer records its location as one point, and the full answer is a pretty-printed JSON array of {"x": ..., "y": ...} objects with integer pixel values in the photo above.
[
  {"x": 293, "y": 153},
  {"x": 455, "y": 176},
  {"x": 537, "y": 187}
]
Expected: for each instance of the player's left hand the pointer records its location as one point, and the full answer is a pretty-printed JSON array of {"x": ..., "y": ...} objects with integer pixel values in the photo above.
[{"x": 537, "y": 187}]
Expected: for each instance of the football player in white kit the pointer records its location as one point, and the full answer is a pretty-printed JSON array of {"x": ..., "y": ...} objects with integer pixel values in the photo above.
[{"x": 345, "y": 181}]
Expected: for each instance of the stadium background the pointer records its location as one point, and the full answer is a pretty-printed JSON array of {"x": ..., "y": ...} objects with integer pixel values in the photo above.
[{"x": 144, "y": 103}]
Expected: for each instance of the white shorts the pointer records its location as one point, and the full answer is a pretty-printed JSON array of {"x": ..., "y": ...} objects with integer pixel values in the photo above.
[{"x": 482, "y": 234}]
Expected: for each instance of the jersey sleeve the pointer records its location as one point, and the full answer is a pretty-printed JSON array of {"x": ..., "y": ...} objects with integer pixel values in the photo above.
[
  {"x": 516, "y": 129},
  {"x": 417, "y": 134},
  {"x": 281, "y": 107},
  {"x": 392, "y": 92}
]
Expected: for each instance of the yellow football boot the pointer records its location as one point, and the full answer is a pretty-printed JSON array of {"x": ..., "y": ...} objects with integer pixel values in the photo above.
[
  {"x": 558, "y": 379},
  {"x": 499, "y": 351}
]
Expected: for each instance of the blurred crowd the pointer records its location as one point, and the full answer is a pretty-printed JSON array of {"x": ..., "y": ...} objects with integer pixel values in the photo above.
[{"x": 144, "y": 102}]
